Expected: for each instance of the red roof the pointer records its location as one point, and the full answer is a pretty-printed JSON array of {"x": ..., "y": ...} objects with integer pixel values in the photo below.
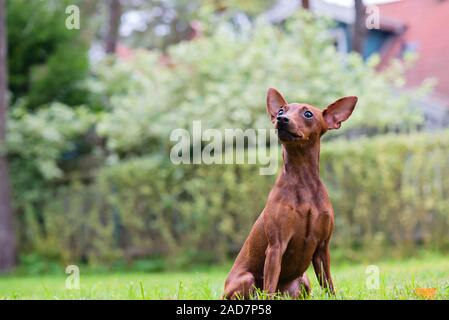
[
  {"x": 123, "y": 52},
  {"x": 427, "y": 31}
]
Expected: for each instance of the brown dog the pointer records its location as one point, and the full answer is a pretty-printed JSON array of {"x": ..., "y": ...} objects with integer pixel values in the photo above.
[{"x": 296, "y": 224}]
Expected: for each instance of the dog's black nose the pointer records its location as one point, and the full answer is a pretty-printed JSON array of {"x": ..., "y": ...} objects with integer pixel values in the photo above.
[{"x": 282, "y": 119}]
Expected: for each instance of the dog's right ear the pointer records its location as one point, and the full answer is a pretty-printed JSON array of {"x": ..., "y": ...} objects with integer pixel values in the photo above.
[
  {"x": 339, "y": 111},
  {"x": 275, "y": 101}
]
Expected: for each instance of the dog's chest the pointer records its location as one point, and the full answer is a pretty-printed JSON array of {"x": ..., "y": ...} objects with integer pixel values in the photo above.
[
  {"x": 313, "y": 223},
  {"x": 308, "y": 213}
]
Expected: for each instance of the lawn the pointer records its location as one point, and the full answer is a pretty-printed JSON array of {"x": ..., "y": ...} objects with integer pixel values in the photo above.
[{"x": 397, "y": 280}]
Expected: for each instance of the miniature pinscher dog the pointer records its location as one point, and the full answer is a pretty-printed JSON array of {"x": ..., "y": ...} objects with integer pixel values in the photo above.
[{"x": 296, "y": 224}]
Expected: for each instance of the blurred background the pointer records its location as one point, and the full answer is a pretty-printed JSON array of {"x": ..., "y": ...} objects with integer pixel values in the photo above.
[{"x": 86, "y": 114}]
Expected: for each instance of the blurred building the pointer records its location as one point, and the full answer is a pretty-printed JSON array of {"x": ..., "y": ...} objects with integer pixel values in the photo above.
[
  {"x": 422, "y": 30},
  {"x": 404, "y": 26}
]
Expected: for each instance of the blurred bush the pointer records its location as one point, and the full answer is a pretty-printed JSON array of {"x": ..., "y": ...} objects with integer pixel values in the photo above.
[
  {"x": 47, "y": 62},
  {"x": 44, "y": 137},
  {"x": 95, "y": 183},
  {"x": 222, "y": 79},
  {"x": 388, "y": 192}
]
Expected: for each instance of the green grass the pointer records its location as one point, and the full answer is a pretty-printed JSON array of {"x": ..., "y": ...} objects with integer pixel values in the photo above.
[{"x": 398, "y": 280}]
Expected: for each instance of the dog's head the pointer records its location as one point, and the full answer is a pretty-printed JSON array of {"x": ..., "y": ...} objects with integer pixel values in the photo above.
[{"x": 300, "y": 122}]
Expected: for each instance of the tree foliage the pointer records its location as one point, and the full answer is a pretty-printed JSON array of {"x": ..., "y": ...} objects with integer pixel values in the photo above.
[
  {"x": 47, "y": 62},
  {"x": 222, "y": 78}
]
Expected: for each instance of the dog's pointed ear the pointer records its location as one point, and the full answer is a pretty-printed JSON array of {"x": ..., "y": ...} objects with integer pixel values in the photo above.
[
  {"x": 275, "y": 101},
  {"x": 339, "y": 111}
]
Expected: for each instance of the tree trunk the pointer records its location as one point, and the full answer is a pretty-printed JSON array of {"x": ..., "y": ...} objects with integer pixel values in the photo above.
[
  {"x": 359, "y": 32},
  {"x": 115, "y": 13},
  {"x": 87, "y": 9},
  {"x": 7, "y": 234},
  {"x": 305, "y": 4}
]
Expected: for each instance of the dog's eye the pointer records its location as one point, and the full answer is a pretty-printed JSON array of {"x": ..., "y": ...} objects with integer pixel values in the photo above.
[
  {"x": 308, "y": 114},
  {"x": 281, "y": 111}
]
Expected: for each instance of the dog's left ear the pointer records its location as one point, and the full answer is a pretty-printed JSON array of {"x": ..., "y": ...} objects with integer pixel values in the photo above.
[
  {"x": 339, "y": 111},
  {"x": 275, "y": 101}
]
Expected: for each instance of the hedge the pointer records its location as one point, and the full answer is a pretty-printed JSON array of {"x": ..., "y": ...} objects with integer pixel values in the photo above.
[{"x": 390, "y": 195}]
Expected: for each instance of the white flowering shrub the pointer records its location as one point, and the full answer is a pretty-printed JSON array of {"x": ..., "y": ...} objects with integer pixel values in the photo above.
[{"x": 222, "y": 79}]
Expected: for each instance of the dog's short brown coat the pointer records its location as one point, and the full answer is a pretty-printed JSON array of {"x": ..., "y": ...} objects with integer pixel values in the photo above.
[{"x": 296, "y": 224}]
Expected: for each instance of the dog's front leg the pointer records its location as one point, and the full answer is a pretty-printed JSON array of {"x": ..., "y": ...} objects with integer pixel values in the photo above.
[
  {"x": 322, "y": 266},
  {"x": 272, "y": 267}
]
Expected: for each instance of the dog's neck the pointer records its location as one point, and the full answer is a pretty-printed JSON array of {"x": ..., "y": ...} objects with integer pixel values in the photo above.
[{"x": 301, "y": 164}]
